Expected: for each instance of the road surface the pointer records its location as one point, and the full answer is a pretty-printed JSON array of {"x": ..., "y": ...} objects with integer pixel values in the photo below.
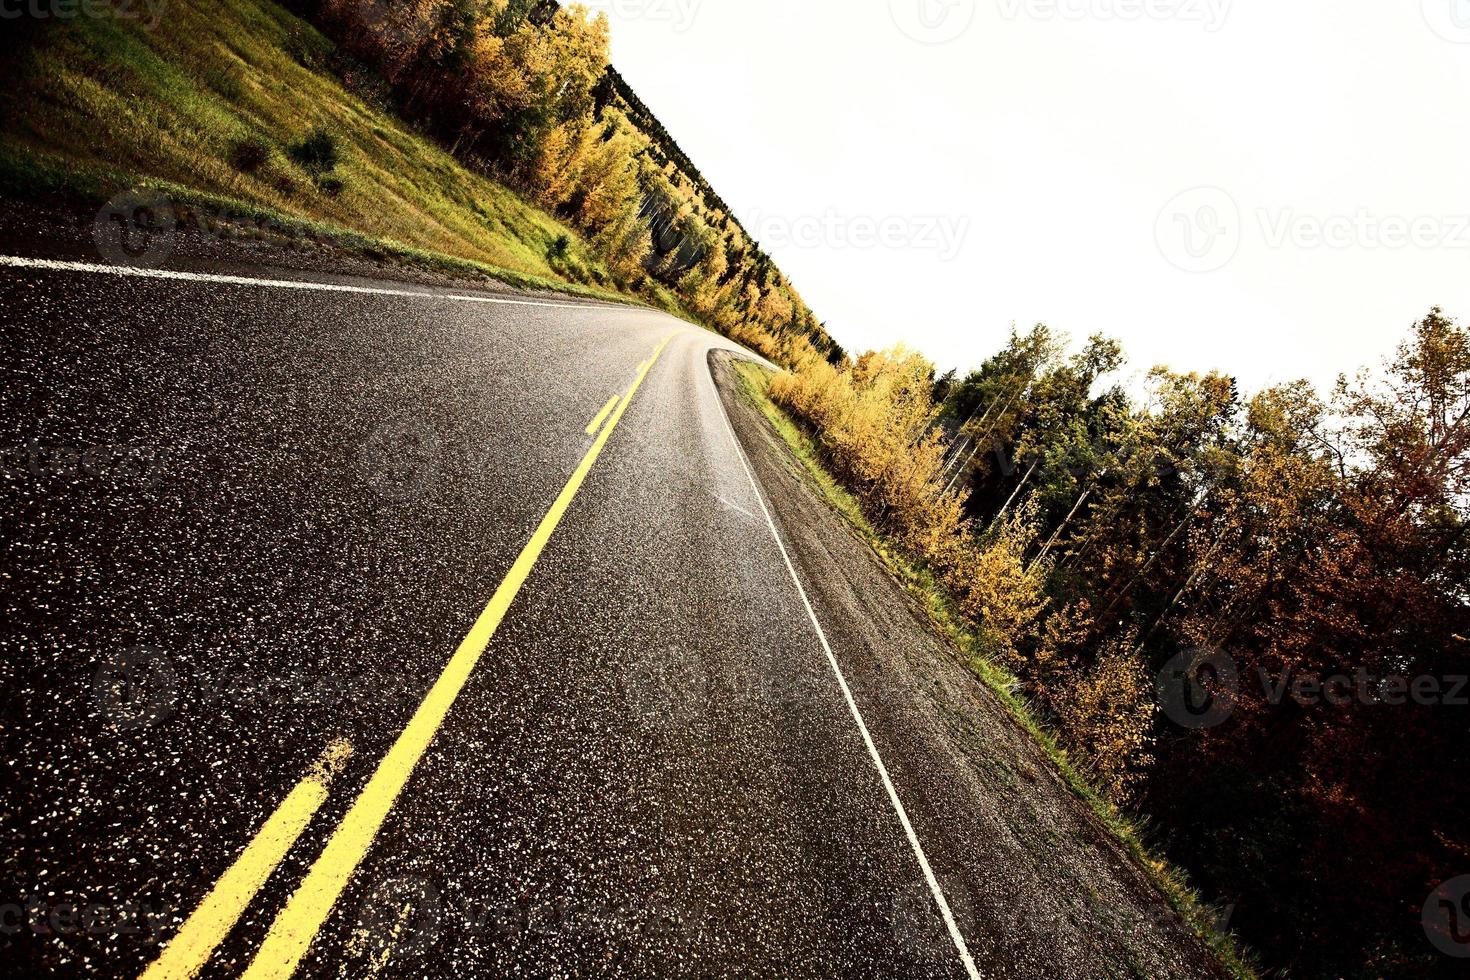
[{"x": 355, "y": 628}]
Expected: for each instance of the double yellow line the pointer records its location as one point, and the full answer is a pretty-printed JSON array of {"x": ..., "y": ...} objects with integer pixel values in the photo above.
[{"x": 298, "y": 923}]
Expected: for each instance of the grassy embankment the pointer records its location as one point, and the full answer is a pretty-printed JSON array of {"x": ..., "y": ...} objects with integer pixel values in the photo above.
[
  {"x": 208, "y": 107},
  {"x": 922, "y": 585}
]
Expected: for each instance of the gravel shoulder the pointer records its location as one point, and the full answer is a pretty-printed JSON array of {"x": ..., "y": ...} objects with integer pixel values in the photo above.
[{"x": 1040, "y": 888}]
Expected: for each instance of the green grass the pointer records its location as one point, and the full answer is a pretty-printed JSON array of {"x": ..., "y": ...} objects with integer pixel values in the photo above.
[
  {"x": 97, "y": 104},
  {"x": 921, "y": 584}
]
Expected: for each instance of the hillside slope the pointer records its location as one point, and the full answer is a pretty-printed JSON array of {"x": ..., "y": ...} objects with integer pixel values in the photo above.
[{"x": 248, "y": 108}]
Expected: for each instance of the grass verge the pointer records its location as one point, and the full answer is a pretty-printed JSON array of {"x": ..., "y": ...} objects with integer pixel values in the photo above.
[{"x": 753, "y": 381}]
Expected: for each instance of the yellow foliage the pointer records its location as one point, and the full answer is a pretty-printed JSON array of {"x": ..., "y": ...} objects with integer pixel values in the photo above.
[
  {"x": 993, "y": 586},
  {"x": 1106, "y": 714},
  {"x": 875, "y": 421}
]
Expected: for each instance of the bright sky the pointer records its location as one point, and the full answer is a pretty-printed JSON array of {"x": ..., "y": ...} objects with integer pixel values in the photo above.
[{"x": 933, "y": 170}]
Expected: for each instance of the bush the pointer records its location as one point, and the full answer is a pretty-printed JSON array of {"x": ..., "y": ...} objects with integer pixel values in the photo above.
[
  {"x": 317, "y": 152},
  {"x": 1106, "y": 714},
  {"x": 874, "y": 421},
  {"x": 559, "y": 248},
  {"x": 249, "y": 155},
  {"x": 330, "y": 186}
]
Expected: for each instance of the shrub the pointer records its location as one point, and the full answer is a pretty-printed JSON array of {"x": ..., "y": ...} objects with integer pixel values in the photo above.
[
  {"x": 874, "y": 421},
  {"x": 317, "y": 152},
  {"x": 330, "y": 186},
  {"x": 249, "y": 155},
  {"x": 1106, "y": 714},
  {"x": 993, "y": 586},
  {"x": 559, "y": 248}
]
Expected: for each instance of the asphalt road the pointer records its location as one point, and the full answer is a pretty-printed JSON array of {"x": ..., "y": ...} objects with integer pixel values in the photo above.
[{"x": 247, "y": 530}]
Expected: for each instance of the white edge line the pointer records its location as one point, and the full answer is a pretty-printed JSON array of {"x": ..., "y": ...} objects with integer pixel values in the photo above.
[
  {"x": 903, "y": 817},
  {"x": 56, "y": 265}
]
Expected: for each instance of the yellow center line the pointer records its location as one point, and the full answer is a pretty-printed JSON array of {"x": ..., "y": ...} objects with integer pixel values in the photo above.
[
  {"x": 297, "y": 925},
  {"x": 187, "y": 953},
  {"x": 597, "y": 419}
]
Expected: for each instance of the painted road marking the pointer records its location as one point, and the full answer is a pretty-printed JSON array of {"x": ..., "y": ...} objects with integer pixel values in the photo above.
[
  {"x": 596, "y": 422},
  {"x": 56, "y": 265},
  {"x": 297, "y": 925},
  {"x": 857, "y": 716},
  {"x": 197, "y": 939}
]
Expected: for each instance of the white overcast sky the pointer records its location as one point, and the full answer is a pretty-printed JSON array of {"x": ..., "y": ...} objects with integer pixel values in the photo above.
[{"x": 1059, "y": 136}]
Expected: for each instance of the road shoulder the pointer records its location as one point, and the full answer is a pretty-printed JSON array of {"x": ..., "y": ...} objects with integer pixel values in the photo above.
[{"x": 1040, "y": 886}]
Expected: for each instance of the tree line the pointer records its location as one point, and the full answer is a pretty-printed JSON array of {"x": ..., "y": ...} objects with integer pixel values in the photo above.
[
  {"x": 1246, "y": 615},
  {"x": 524, "y": 89}
]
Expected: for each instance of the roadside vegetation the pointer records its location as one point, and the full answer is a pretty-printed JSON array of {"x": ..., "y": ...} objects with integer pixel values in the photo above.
[
  {"x": 493, "y": 133},
  {"x": 1075, "y": 542}
]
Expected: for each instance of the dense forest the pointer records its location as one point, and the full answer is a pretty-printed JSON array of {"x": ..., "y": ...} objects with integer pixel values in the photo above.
[
  {"x": 524, "y": 89},
  {"x": 1300, "y": 559}
]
